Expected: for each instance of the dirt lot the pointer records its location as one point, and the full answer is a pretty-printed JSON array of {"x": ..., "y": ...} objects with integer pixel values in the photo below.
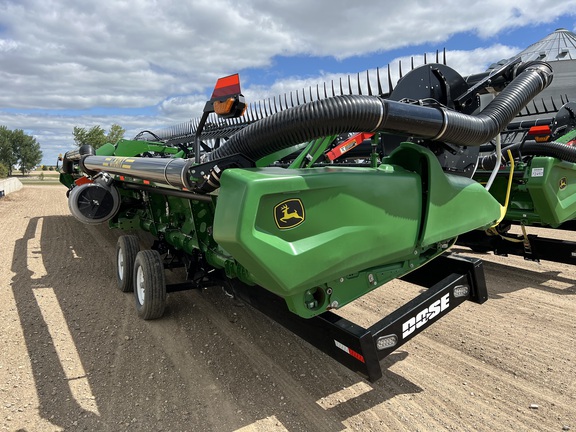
[{"x": 74, "y": 355}]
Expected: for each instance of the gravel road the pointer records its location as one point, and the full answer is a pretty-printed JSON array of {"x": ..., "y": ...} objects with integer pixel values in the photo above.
[{"x": 74, "y": 355}]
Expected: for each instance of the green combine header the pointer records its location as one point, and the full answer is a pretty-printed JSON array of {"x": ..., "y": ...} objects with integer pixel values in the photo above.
[{"x": 311, "y": 204}]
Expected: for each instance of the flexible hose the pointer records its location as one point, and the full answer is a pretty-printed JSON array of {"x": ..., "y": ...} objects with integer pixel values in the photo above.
[
  {"x": 354, "y": 113},
  {"x": 553, "y": 149},
  {"x": 303, "y": 123},
  {"x": 498, "y": 140},
  {"x": 74, "y": 156},
  {"x": 470, "y": 130}
]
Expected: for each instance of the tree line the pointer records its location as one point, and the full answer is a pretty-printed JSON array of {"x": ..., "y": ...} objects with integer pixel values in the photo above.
[
  {"x": 22, "y": 150},
  {"x": 17, "y": 149}
]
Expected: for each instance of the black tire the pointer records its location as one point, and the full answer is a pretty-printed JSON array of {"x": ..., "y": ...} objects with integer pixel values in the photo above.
[
  {"x": 149, "y": 285},
  {"x": 127, "y": 248}
]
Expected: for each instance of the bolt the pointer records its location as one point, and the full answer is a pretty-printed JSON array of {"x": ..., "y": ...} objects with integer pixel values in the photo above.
[
  {"x": 415, "y": 252},
  {"x": 341, "y": 280},
  {"x": 370, "y": 278},
  {"x": 411, "y": 265},
  {"x": 334, "y": 304}
]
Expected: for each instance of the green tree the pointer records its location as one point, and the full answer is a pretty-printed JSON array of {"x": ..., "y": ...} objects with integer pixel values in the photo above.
[
  {"x": 27, "y": 150},
  {"x": 8, "y": 155},
  {"x": 3, "y": 170},
  {"x": 18, "y": 148},
  {"x": 115, "y": 133},
  {"x": 96, "y": 136}
]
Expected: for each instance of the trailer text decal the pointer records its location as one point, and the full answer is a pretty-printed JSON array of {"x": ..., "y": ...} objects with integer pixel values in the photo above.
[{"x": 425, "y": 315}]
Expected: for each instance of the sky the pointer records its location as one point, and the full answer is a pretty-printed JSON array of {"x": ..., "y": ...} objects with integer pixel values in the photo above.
[{"x": 150, "y": 64}]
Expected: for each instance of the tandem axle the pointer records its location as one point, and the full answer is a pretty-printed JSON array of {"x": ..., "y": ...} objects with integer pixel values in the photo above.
[{"x": 449, "y": 281}]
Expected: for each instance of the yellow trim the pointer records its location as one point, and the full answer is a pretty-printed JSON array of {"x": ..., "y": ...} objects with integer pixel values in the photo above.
[{"x": 504, "y": 208}]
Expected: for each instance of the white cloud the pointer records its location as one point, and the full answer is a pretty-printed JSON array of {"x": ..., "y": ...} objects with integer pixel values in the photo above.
[
  {"x": 76, "y": 56},
  {"x": 464, "y": 62}
]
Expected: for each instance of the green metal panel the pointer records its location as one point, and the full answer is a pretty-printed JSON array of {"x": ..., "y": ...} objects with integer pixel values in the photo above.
[
  {"x": 552, "y": 186},
  {"x": 453, "y": 204},
  {"x": 134, "y": 147},
  {"x": 325, "y": 236},
  {"x": 543, "y": 192},
  {"x": 106, "y": 150},
  {"x": 351, "y": 219}
]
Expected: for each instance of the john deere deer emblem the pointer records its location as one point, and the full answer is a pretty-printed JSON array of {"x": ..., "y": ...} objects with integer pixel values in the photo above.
[{"x": 289, "y": 213}]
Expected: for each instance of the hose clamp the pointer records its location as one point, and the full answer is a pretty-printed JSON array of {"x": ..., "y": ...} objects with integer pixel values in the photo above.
[
  {"x": 444, "y": 125},
  {"x": 381, "y": 119}
]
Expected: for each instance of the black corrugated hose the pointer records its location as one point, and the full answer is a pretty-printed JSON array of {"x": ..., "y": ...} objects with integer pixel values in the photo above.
[
  {"x": 354, "y": 113},
  {"x": 531, "y": 148}
]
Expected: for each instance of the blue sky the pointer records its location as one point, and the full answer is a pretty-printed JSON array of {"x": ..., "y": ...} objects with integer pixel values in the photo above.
[{"x": 147, "y": 64}]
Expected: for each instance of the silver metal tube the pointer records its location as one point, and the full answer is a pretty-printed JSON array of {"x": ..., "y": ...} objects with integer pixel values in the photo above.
[{"x": 168, "y": 171}]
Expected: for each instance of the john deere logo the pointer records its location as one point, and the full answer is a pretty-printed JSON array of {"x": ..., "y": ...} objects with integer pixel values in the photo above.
[
  {"x": 562, "y": 183},
  {"x": 289, "y": 213}
]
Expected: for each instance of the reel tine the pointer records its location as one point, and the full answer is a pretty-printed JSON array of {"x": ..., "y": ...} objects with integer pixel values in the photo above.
[
  {"x": 270, "y": 106},
  {"x": 553, "y": 104},
  {"x": 368, "y": 82}
]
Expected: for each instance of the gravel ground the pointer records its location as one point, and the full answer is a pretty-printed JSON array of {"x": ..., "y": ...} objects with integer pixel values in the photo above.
[{"x": 74, "y": 355}]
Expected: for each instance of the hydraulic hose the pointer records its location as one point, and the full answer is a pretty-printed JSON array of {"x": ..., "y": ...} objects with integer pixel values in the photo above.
[
  {"x": 73, "y": 156},
  {"x": 532, "y": 148},
  {"x": 355, "y": 113}
]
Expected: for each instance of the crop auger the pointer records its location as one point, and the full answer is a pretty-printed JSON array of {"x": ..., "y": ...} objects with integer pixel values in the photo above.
[{"x": 305, "y": 205}]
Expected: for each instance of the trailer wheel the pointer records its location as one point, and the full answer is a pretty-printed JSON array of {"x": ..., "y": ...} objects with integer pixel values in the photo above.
[
  {"x": 149, "y": 285},
  {"x": 127, "y": 248}
]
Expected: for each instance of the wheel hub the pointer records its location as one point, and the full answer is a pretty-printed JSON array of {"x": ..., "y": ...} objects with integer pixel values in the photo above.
[{"x": 140, "y": 291}]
